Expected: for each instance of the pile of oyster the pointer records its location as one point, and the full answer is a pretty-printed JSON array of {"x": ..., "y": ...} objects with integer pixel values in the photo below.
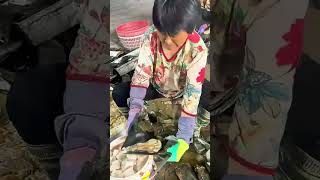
[{"x": 125, "y": 165}]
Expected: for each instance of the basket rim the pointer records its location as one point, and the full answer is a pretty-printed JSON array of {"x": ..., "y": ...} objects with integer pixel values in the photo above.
[
  {"x": 131, "y": 37},
  {"x": 132, "y": 27}
]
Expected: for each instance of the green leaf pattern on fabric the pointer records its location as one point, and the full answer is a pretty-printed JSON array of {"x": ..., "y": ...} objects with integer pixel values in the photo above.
[{"x": 259, "y": 90}]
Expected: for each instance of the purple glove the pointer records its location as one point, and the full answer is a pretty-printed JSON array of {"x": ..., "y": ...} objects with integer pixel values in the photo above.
[
  {"x": 133, "y": 116},
  {"x": 186, "y": 128},
  {"x": 202, "y": 28},
  {"x": 135, "y": 103}
]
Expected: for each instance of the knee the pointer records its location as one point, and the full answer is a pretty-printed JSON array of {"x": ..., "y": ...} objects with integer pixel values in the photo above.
[
  {"x": 82, "y": 131},
  {"x": 32, "y": 105},
  {"x": 120, "y": 94}
]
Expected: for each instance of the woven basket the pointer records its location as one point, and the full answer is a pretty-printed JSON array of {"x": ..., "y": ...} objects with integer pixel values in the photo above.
[
  {"x": 131, "y": 33},
  {"x": 131, "y": 43}
]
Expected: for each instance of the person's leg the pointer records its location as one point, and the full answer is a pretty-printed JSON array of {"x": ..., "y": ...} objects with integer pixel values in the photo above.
[
  {"x": 304, "y": 106},
  {"x": 35, "y": 99},
  {"x": 82, "y": 129},
  {"x": 121, "y": 93}
]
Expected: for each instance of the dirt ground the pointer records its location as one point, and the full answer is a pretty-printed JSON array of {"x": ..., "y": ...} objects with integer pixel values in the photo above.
[{"x": 16, "y": 163}]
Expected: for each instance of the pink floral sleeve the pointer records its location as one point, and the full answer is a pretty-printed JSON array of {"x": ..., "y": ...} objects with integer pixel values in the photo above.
[
  {"x": 90, "y": 53},
  {"x": 143, "y": 71},
  {"x": 195, "y": 78}
]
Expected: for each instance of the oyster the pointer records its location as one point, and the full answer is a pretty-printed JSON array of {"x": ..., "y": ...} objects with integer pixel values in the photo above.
[
  {"x": 151, "y": 146},
  {"x": 193, "y": 158},
  {"x": 202, "y": 173},
  {"x": 185, "y": 172},
  {"x": 123, "y": 165}
]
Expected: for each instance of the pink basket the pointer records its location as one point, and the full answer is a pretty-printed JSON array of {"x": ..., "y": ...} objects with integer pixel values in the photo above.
[
  {"x": 131, "y": 43},
  {"x": 133, "y": 28},
  {"x": 131, "y": 33}
]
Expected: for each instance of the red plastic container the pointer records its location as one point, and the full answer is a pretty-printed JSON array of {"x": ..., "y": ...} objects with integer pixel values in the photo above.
[{"x": 133, "y": 28}]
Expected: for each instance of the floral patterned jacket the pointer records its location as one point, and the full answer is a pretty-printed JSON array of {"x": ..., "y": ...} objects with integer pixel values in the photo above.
[
  {"x": 91, "y": 49},
  {"x": 180, "y": 75},
  {"x": 86, "y": 97},
  {"x": 269, "y": 35}
]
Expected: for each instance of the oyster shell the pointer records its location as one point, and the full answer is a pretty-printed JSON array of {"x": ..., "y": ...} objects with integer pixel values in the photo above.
[
  {"x": 123, "y": 165},
  {"x": 151, "y": 146},
  {"x": 185, "y": 172},
  {"x": 202, "y": 173}
]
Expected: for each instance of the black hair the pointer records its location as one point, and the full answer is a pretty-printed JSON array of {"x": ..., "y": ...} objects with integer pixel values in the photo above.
[{"x": 172, "y": 16}]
